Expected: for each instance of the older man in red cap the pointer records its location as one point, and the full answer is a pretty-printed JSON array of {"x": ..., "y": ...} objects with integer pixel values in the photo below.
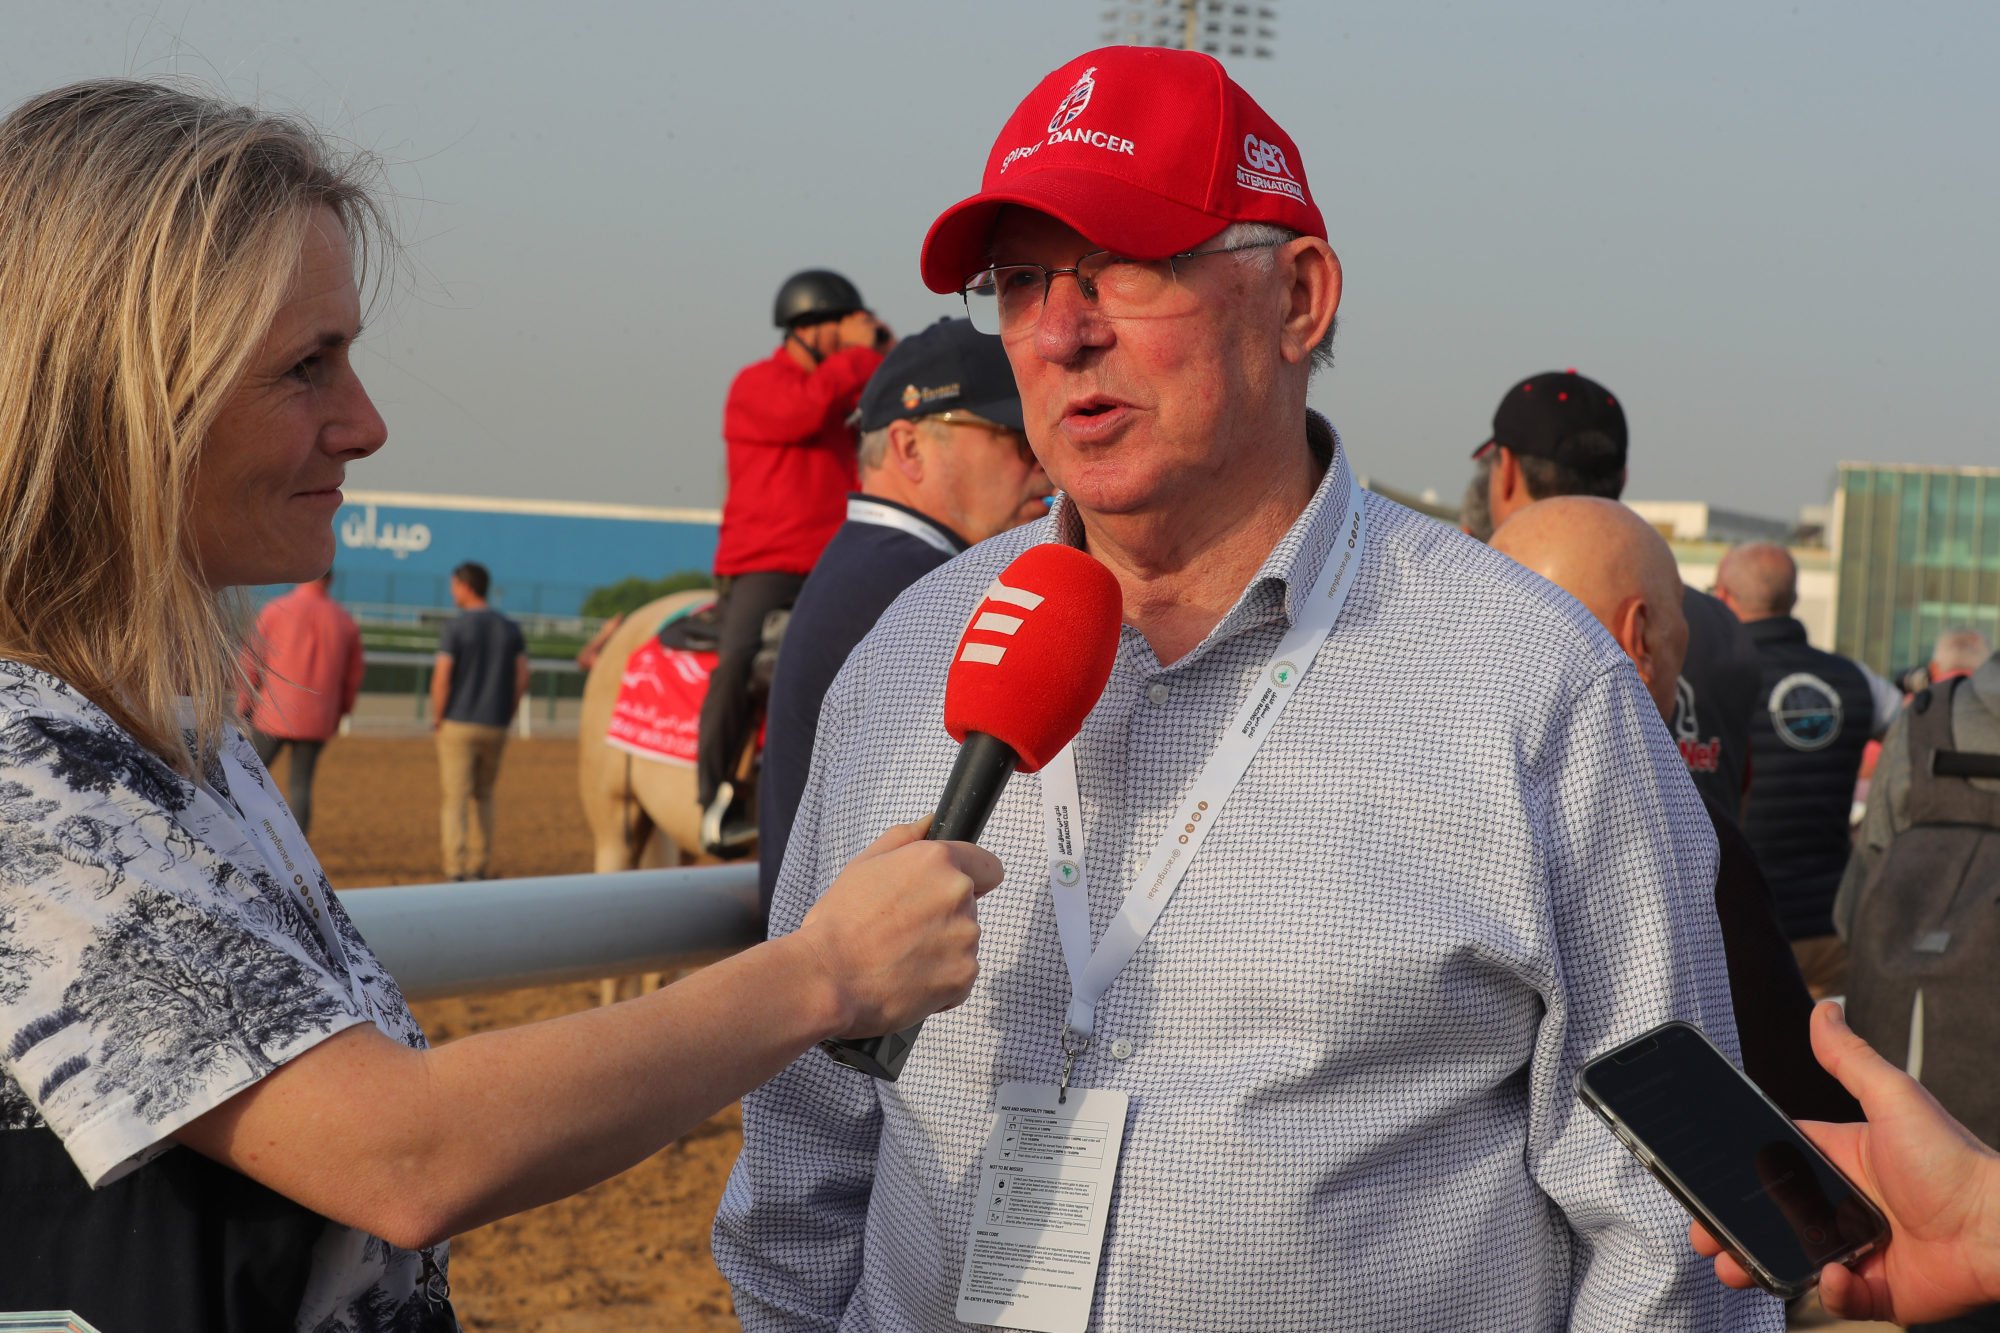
[{"x": 1305, "y": 944}]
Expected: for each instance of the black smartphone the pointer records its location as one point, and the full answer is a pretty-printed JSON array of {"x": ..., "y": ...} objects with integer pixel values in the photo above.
[{"x": 1731, "y": 1157}]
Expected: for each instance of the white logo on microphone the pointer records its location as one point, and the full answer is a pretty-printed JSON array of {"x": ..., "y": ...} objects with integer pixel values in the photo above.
[{"x": 998, "y": 622}]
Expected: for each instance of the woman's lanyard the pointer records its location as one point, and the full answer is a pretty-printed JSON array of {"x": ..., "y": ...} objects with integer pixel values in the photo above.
[
  {"x": 1091, "y": 972},
  {"x": 274, "y": 833}
]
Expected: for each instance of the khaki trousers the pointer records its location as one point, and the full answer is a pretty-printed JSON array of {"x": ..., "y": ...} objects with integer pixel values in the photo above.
[{"x": 468, "y": 764}]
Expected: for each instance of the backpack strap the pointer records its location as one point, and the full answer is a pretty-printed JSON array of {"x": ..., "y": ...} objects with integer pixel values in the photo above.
[{"x": 1939, "y": 792}]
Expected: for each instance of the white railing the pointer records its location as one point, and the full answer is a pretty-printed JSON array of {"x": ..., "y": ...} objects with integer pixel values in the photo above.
[{"x": 458, "y": 939}]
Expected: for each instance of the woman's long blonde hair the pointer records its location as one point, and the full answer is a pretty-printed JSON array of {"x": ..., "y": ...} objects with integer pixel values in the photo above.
[{"x": 148, "y": 235}]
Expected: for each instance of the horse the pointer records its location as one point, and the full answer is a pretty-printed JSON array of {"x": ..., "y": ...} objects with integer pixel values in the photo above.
[{"x": 642, "y": 812}]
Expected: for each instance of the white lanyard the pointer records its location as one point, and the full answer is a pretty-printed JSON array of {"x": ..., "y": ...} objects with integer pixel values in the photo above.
[
  {"x": 273, "y": 831},
  {"x": 1091, "y": 972},
  {"x": 860, "y": 509}
]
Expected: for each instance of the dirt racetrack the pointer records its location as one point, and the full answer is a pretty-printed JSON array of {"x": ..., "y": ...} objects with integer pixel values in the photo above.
[{"x": 630, "y": 1254}]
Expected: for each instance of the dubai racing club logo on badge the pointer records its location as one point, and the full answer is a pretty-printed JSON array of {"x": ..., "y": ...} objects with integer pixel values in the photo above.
[
  {"x": 1284, "y": 673},
  {"x": 1067, "y": 873},
  {"x": 1074, "y": 101},
  {"x": 1805, "y": 711}
]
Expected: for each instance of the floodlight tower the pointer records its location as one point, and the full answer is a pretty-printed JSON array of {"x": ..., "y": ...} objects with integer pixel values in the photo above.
[{"x": 1219, "y": 27}]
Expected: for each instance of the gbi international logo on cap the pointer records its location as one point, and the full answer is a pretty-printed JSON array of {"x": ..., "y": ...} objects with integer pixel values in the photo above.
[{"x": 1264, "y": 168}]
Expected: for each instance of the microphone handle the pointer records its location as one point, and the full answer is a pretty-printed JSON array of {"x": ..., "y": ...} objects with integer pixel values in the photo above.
[
  {"x": 973, "y": 789},
  {"x": 970, "y": 793}
]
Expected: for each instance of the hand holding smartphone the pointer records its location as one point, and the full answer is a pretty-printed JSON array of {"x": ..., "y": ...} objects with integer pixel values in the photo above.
[{"x": 1731, "y": 1157}]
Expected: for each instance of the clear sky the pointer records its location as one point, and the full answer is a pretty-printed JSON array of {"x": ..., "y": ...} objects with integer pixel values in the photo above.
[{"x": 1769, "y": 228}]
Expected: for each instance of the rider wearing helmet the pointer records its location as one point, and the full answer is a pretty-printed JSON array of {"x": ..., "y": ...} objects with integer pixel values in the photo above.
[{"x": 791, "y": 465}]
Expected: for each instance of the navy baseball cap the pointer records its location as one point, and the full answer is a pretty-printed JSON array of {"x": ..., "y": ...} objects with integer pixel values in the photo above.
[
  {"x": 948, "y": 367},
  {"x": 1545, "y": 415}
]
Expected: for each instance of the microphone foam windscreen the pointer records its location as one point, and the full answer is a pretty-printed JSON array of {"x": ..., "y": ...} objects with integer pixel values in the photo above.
[{"x": 1037, "y": 653}]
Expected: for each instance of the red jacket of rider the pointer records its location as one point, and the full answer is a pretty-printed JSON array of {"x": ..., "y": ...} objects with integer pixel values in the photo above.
[{"x": 791, "y": 460}]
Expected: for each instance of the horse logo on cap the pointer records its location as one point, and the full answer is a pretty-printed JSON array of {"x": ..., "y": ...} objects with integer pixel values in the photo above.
[{"x": 1074, "y": 101}]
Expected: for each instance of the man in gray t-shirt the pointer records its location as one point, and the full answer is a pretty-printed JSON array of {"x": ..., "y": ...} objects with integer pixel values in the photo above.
[{"x": 480, "y": 676}]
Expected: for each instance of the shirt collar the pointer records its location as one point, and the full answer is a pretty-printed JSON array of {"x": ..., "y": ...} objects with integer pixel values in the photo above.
[
  {"x": 860, "y": 515},
  {"x": 1777, "y": 629},
  {"x": 1293, "y": 566}
]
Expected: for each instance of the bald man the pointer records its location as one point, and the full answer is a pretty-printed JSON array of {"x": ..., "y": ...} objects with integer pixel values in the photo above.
[
  {"x": 1612, "y": 561},
  {"x": 1958, "y": 652},
  {"x": 1816, "y": 712},
  {"x": 1561, "y": 433}
]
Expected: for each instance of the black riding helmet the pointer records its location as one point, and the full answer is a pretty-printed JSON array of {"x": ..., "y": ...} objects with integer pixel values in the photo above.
[{"x": 814, "y": 295}]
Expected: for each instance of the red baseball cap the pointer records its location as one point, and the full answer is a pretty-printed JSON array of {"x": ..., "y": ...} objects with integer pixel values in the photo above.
[{"x": 1145, "y": 151}]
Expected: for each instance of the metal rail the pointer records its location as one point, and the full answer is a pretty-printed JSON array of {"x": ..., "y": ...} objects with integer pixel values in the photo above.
[
  {"x": 459, "y": 939},
  {"x": 547, "y": 669}
]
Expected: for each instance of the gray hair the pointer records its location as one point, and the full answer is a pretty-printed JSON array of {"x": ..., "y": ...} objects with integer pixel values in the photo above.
[
  {"x": 1475, "y": 512},
  {"x": 1270, "y": 234},
  {"x": 873, "y": 450},
  {"x": 1959, "y": 650}
]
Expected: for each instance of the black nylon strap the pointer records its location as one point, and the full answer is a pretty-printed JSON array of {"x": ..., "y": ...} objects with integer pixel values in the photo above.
[{"x": 1965, "y": 764}]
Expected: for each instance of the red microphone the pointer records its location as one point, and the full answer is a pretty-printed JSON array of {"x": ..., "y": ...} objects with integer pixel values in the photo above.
[{"x": 1029, "y": 668}]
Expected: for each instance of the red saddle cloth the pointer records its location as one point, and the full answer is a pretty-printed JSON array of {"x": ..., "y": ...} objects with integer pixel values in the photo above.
[{"x": 658, "y": 711}]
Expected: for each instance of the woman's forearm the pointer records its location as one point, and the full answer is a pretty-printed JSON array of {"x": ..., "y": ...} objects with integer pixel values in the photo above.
[
  {"x": 637, "y": 1076},
  {"x": 416, "y": 1146}
]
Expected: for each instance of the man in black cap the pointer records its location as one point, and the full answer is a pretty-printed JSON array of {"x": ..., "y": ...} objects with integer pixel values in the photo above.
[
  {"x": 1559, "y": 433},
  {"x": 944, "y": 464}
]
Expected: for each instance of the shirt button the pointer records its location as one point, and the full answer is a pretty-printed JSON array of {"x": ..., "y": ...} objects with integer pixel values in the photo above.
[
  {"x": 1121, "y": 1049},
  {"x": 1156, "y": 693}
]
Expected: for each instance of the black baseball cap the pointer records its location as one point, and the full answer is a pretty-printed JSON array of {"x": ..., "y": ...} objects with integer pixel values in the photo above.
[
  {"x": 1545, "y": 416},
  {"x": 948, "y": 367}
]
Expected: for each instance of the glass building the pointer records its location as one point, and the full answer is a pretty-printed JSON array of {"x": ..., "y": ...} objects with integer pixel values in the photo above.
[{"x": 1918, "y": 553}]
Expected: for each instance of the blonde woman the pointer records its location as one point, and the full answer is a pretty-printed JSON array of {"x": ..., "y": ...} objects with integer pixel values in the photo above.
[{"x": 216, "y": 1111}]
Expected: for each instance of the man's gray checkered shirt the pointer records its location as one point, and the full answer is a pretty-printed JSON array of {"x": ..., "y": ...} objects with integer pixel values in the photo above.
[{"x": 1467, "y": 859}]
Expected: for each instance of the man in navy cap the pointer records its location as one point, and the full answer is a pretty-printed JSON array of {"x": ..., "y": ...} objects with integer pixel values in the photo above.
[{"x": 944, "y": 463}]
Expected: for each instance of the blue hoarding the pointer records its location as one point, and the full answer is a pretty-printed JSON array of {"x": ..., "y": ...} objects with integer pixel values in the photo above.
[{"x": 397, "y": 550}]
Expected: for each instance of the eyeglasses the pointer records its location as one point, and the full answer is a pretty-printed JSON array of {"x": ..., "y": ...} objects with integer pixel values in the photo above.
[
  {"x": 1019, "y": 437},
  {"x": 1007, "y": 299}
]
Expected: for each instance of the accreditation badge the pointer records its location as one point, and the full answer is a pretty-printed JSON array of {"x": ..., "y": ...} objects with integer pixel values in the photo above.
[{"x": 1038, "y": 1219}]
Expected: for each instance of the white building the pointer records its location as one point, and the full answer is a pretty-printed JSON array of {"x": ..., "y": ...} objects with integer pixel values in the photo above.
[{"x": 1699, "y": 521}]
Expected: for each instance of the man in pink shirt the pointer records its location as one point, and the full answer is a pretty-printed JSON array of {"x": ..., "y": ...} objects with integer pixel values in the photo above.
[{"x": 304, "y": 675}]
